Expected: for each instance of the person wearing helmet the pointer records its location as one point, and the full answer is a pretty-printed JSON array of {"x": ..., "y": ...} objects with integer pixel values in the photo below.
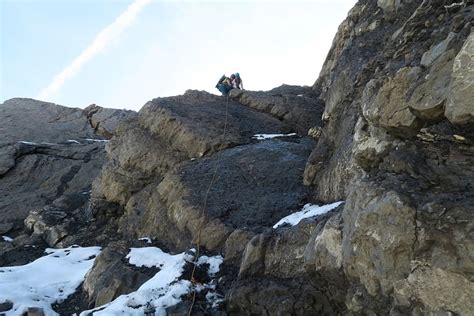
[{"x": 237, "y": 81}]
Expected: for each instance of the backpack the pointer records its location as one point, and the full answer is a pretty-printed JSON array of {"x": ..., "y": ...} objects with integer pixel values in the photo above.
[{"x": 220, "y": 80}]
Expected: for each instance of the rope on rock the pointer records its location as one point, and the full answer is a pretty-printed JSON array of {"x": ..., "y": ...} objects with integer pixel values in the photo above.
[{"x": 203, "y": 211}]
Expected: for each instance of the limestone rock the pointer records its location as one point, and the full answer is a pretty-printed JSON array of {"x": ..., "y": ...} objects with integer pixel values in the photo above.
[
  {"x": 459, "y": 106},
  {"x": 324, "y": 249},
  {"x": 110, "y": 276},
  {"x": 438, "y": 290},
  {"x": 428, "y": 99},
  {"x": 436, "y": 51},
  {"x": 371, "y": 144},
  {"x": 389, "y": 108},
  {"x": 378, "y": 237}
]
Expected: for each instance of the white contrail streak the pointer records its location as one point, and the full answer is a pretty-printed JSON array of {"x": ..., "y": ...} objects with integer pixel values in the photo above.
[{"x": 99, "y": 43}]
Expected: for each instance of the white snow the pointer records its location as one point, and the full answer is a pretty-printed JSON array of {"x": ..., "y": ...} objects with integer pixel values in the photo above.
[
  {"x": 299, "y": 95},
  {"x": 214, "y": 299},
  {"x": 164, "y": 289},
  {"x": 54, "y": 277},
  {"x": 214, "y": 263},
  {"x": 72, "y": 141},
  {"x": 7, "y": 239},
  {"x": 27, "y": 143},
  {"x": 97, "y": 140},
  {"x": 49, "y": 279},
  {"x": 145, "y": 239},
  {"x": 309, "y": 210},
  {"x": 270, "y": 136},
  {"x": 161, "y": 291}
]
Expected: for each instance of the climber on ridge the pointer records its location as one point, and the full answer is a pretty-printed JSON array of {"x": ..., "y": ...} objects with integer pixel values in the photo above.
[
  {"x": 225, "y": 84},
  {"x": 237, "y": 81}
]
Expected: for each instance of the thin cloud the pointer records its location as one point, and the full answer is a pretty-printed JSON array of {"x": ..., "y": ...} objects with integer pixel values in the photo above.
[{"x": 99, "y": 43}]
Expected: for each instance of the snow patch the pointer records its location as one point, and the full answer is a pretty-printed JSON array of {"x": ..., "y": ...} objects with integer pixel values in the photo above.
[
  {"x": 270, "y": 136},
  {"x": 164, "y": 289},
  {"x": 309, "y": 210},
  {"x": 214, "y": 299},
  {"x": 72, "y": 141},
  {"x": 28, "y": 143},
  {"x": 161, "y": 291},
  {"x": 145, "y": 239},
  {"x": 97, "y": 140},
  {"x": 7, "y": 239},
  {"x": 47, "y": 280},
  {"x": 214, "y": 263}
]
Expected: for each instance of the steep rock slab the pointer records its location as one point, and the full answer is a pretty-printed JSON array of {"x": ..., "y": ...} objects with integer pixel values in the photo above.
[
  {"x": 36, "y": 121},
  {"x": 44, "y": 172},
  {"x": 299, "y": 107},
  {"x": 170, "y": 130},
  {"x": 46, "y": 151},
  {"x": 255, "y": 186}
]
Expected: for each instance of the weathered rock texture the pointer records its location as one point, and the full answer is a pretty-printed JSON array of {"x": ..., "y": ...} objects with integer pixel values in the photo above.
[
  {"x": 397, "y": 147},
  {"x": 387, "y": 127},
  {"x": 49, "y": 155}
]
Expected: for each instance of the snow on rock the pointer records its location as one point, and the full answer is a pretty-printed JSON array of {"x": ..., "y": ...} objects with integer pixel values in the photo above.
[
  {"x": 309, "y": 210},
  {"x": 97, "y": 140},
  {"x": 145, "y": 239},
  {"x": 164, "y": 289},
  {"x": 7, "y": 239},
  {"x": 214, "y": 299},
  {"x": 161, "y": 291},
  {"x": 270, "y": 136},
  {"x": 214, "y": 263},
  {"x": 72, "y": 141},
  {"x": 28, "y": 143},
  {"x": 47, "y": 280}
]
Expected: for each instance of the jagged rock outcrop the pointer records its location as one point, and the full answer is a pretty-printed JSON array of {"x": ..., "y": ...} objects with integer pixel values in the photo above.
[
  {"x": 49, "y": 155},
  {"x": 403, "y": 160}
]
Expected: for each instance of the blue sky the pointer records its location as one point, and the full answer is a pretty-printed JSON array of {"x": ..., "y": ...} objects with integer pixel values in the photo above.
[{"x": 169, "y": 47}]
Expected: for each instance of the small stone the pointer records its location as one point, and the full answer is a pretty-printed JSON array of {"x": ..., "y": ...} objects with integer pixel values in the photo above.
[
  {"x": 459, "y": 138},
  {"x": 6, "y": 306},
  {"x": 35, "y": 311}
]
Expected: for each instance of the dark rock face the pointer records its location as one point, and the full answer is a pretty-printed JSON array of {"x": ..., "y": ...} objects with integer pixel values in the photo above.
[
  {"x": 393, "y": 149},
  {"x": 48, "y": 158},
  {"x": 298, "y": 107},
  {"x": 162, "y": 182},
  {"x": 261, "y": 183}
]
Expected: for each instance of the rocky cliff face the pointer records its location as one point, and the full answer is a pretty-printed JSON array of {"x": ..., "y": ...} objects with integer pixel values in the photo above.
[
  {"x": 388, "y": 128},
  {"x": 49, "y": 155}
]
